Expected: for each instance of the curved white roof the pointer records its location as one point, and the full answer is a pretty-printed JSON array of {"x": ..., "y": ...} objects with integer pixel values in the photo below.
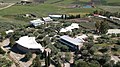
[
  {"x": 29, "y": 42},
  {"x": 47, "y": 19},
  {"x": 9, "y": 31},
  {"x": 69, "y": 28}
]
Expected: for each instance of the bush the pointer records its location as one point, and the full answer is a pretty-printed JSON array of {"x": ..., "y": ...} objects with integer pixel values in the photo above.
[
  {"x": 2, "y": 51},
  {"x": 28, "y": 56}
]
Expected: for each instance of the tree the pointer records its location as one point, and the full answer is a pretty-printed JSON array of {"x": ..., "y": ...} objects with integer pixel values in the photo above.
[
  {"x": 67, "y": 56},
  {"x": 93, "y": 65},
  {"x": 96, "y": 12},
  {"x": 78, "y": 16},
  {"x": 36, "y": 62},
  {"x": 97, "y": 25},
  {"x": 2, "y": 51},
  {"x": 117, "y": 64},
  {"x": 28, "y": 56},
  {"x": 105, "y": 49},
  {"x": 47, "y": 59},
  {"x": 103, "y": 27},
  {"x": 92, "y": 50},
  {"x": 90, "y": 39},
  {"x": 12, "y": 42},
  {"x": 63, "y": 47},
  {"x": 105, "y": 58},
  {"x": 118, "y": 42},
  {"x": 58, "y": 64},
  {"x": 109, "y": 64},
  {"x": 89, "y": 45},
  {"x": 5, "y": 62},
  {"x": 80, "y": 64}
]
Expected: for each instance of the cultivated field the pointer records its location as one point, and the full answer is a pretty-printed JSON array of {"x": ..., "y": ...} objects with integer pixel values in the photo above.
[{"x": 54, "y": 7}]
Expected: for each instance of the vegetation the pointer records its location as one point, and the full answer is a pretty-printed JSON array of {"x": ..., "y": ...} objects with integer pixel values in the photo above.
[
  {"x": 94, "y": 53},
  {"x": 28, "y": 56},
  {"x": 4, "y": 62},
  {"x": 36, "y": 62}
]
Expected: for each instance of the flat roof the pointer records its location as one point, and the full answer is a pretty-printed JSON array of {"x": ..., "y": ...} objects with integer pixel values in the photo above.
[
  {"x": 37, "y": 21},
  {"x": 57, "y": 16},
  {"x": 75, "y": 41},
  {"x": 115, "y": 31}
]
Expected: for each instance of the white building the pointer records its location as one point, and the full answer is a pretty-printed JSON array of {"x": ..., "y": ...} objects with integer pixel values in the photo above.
[
  {"x": 100, "y": 16},
  {"x": 70, "y": 28},
  {"x": 74, "y": 43},
  {"x": 65, "y": 30},
  {"x": 96, "y": 36},
  {"x": 113, "y": 31},
  {"x": 36, "y": 22},
  {"x": 55, "y": 16},
  {"x": 82, "y": 37},
  {"x": 27, "y": 44},
  {"x": 9, "y": 31},
  {"x": 116, "y": 18},
  {"x": 47, "y": 19}
]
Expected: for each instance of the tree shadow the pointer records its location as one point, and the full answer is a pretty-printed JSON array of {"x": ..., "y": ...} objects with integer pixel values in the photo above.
[{"x": 24, "y": 59}]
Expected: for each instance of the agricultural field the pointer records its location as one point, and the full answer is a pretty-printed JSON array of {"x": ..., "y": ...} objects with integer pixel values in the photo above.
[
  {"x": 113, "y": 2},
  {"x": 58, "y": 7},
  {"x": 9, "y": 1},
  {"x": 47, "y": 8},
  {"x": 111, "y": 8},
  {"x": 55, "y": 7}
]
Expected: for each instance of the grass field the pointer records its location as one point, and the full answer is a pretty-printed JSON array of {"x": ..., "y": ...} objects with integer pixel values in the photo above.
[
  {"x": 113, "y": 2},
  {"x": 110, "y": 8},
  {"x": 54, "y": 7},
  {"x": 10, "y": 1},
  {"x": 45, "y": 9}
]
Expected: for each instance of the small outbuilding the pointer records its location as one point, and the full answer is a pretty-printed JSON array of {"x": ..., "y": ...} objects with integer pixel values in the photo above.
[
  {"x": 113, "y": 31},
  {"x": 36, "y": 22},
  {"x": 55, "y": 16},
  {"x": 47, "y": 19},
  {"x": 9, "y": 31},
  {"x": 70, "y": 28}
]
